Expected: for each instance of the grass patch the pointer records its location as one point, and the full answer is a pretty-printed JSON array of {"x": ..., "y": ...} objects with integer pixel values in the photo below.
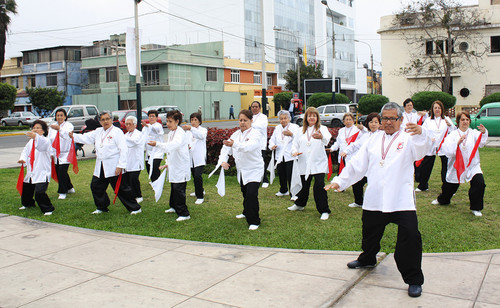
[
  {"x": 4, "y": 129},
  {"x": 443, "y": 228}
]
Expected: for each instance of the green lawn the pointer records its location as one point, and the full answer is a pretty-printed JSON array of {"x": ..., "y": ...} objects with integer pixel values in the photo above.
[{"x": 444, "y": 228}]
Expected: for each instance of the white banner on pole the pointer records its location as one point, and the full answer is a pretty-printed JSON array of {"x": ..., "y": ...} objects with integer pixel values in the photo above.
[{"x": 130, "y": 50}]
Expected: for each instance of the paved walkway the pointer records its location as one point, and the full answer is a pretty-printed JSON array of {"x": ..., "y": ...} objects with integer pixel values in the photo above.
[{"x": 49, "y": 265}]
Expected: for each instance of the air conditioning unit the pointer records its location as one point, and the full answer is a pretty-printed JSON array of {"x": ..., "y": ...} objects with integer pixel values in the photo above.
[{"x": 463, "y": 46}]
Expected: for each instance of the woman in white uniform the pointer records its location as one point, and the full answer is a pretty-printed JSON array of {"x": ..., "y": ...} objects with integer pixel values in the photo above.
[
  {"x": 135, "y": 160},
  {"x": 197, "y": 136},
  {"x": 346, "y": 136},
  {"x": 464, "y": 140},
  {"x": 154, "y": 133}
]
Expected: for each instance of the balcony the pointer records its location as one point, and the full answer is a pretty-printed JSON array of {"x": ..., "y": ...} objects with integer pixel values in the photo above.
[
  {"x": 91, "y": 88},
  {"x": 152, "y": 85}
]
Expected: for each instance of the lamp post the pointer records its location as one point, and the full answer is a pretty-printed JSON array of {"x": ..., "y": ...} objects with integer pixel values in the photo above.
[
  {"x": 371, "y": 60},
  {"x": 298, "y": 55},
  {"x": 116, "y": 42},
  {"x": 324, "y": 2},
  {"x": 137, "y": 64}
]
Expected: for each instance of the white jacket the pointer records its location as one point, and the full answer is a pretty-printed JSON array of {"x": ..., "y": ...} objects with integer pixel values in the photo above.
[
  {"x": 313, "y": 159},
  {"x": 436, "y": 129},
  {"x": 449, "y": 148},
  {"x": 153, "y": 132},
  {"x": 177, "y": 150},
  {"x": 283, "y": 142},
  {"x": 341, "y": 142},
  {"x": 247, "y": 155},
  {"x": 197, "y": 137},
  {"x": 64, "y": 139},
  {"x": 42, "y": 165},
  {"x": 110, "y": 148},
  {"x": 135, "y": 143},
  {"x": 260, "y": 123}
]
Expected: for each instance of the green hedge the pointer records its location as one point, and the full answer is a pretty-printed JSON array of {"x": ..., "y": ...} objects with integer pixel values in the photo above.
[
  {"x": 492, "y": 98},
  {"x": 423, "y": 100},
  {"x": 14, "y": 128},
  {"x": 371, "y": 103}
]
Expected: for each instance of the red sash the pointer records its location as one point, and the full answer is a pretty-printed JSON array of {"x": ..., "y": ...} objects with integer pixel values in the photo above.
[
  {"x": 72, "y": 157},
  {"x": 349, "y": 140},
  {"x": 459, "y": 159},
  {"x": 57, "y": 145},
  {"x": 117, "y": 187},
  {"x": 32, "y": 155},
  {"x": 445, "y": 134},
  {"x": 342, "y": 164},
  {"x": 420, "y": 121},
  {"x": 53, "y": 172},
  {"x": 20, "y": 180},
  {"x": 330, "y": 165}
]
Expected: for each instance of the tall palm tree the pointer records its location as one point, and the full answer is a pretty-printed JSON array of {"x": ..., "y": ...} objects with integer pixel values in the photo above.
[{"x": 6, "y": 7}]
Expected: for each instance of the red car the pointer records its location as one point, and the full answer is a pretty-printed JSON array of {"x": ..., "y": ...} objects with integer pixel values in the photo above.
[{"x": 119, "y": 117}]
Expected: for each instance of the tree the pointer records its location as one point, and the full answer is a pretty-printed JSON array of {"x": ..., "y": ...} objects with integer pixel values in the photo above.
[
  {"x": 6, "y": 7},
  {"x": 306, "y": 72},
  {"x": 45, "y": 99},
  {"x": 371, "y": 103},
  {"x": 7, "y": 96},
  {"x": 319, "y": 99},
  {"x": 442, "y": 38},
  {"x": 283, "y": 99},
  {"x": 423, "y": 100},
  {"x": 495, "y": 97}
]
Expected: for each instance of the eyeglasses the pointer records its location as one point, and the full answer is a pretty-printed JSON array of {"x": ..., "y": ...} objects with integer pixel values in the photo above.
[{"x": 385, "y": 119}]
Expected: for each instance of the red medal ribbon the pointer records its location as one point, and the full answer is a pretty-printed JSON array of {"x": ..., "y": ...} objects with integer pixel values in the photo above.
[
  {"x": 20, "y": 180},
  {"x": 385, "y": 151},
  {"x": 117, "y": 187},
  {"x": 72, "y": 157}
]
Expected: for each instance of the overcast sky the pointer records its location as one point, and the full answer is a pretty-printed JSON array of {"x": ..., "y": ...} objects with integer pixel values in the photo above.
[{"x": 69, "y": 22}]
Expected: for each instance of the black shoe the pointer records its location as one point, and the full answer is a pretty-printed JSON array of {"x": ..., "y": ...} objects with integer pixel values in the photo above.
[
  {"x": 357, "y": 264},
  {"x": 415, "y": 290}
]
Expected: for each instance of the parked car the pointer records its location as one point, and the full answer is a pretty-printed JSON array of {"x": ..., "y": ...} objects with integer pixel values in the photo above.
[
  {"x": 20, "y": 118},
  {"x": 77, "y": 114},
  {"x": 489, "y": 116},
  {"x": 119, "y": 117},
  {"x": 331, "y": 115},
  {"x": 162, "y": 112}
]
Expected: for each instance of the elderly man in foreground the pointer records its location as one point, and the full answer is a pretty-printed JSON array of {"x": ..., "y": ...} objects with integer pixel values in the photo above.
[{"x": 386, "y": 160}]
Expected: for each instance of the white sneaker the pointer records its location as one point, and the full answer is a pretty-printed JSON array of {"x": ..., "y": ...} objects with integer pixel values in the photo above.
[
  {"x": 294, "y": 198},
  {"x": 435, "y": 202},
  {"x": 477, "y": 213},
  {"x": 418, "y": 189},
  {"x": 253, "y": 227},
  {"x": 354, "y": 204},
  {"x": 279, "y": 194},
  {"x": 22, "y": 208},
  {"x": 139, "y": 199},
  {"x": 50, "y": 213},
  {"x": 136, "y": 212},
  {"x": 199, "y": 201},
  {"x": 97, "y": 212},
  {"x": 62, "y": 196},
  {"x": 170, "y": 210},
  {"x": 192, "y": 194},
  {"x": 240, "y": 216},
  {"x": 71, "y": 191},
  {"x": 182, "y": 218},
  {"x": 265, "y": 185},
  {"x": 324, "y": 216},
  {"x": 295, "y": 208}
]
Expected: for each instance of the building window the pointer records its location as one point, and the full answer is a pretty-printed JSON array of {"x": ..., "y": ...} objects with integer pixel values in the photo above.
[
  {"x": 44, "y": 56},
  {"x": 256, "y": 77},
  {"x": 51, "y": 80},
  {"x": 14, "y": 81},
  {"x": 269, "y": 79},
  {"x": 495, "y": 44},
  {"x": 32, "y": 57},
  {"x": 151, "y": 74},
  {"x": 211, "y": 74},
  {"x": 94, "y": 76},
  {"x": 235, "y": 76},
  {"x": 31, "y": 81},
  {"x": 111, "y": 74}
]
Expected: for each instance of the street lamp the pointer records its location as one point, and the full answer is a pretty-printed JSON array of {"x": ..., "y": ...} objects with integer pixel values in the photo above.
[
  {"x": 324, "y": 2},
  {"x": 371, "y": 60},
  {"x": 298, "y": 55}
]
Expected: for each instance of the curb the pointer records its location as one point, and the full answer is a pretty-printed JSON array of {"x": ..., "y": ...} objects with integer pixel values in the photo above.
[{"x": 12, "y": 134}]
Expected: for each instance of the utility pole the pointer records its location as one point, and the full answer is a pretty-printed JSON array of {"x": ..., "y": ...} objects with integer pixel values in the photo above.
[
  {"x": 325, "y": 2},
  {"x": 263, "y": 57},
  {"x": 137, "y": 65},
  {"x": 371, "y": 59}
]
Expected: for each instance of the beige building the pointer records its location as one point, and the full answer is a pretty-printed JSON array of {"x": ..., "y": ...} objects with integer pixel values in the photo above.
[
  {"x": 469, "y": 85},
  {"x": 11, "y": 73}
]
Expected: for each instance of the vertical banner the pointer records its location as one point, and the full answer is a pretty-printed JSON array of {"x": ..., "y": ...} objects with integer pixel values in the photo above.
[{"x": 130, "y": 51}]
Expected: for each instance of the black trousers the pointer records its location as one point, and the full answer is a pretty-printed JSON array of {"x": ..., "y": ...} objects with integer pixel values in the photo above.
[
  {"x": 250, "y": 193},
  {"x": 265, "y": 179},
  {"x": 476, "y": 192},
  {"x": 39, "y": 191},
  {"x": 231, "y": 115},
  {"x": 285, "y": 174},
  {"x": 63, "y": 178},
  {"x": 98, "y": 187},
  {"x": 132, "y": 179},
  {"x": 426, "y": 170},
  {"x": 156, "y": 169},
  {"x": 357, "y": 189},
  {"x": 320, "y": 195},
  {"x": 178, "y": 198},
  {"x": 198, "y": 181},
  {"x": 408, "y": 253}
]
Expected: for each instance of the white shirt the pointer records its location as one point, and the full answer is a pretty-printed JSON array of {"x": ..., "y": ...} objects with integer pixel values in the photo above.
[
  {"x": 436, "y": 129},
  {"x": 247, "y": 155},
  {"x": 283, "y": 142},
  {"x": 110, "y": 148},
  {"x": 313, "y": 159},
  {"x": 260, "y": 123},
  {"x": 363, "y": 137},
  {"x": 390, "y": 186},
  {"x": 154, "y": 132},
  {"x": 42, "y": 165},
  {"x": 197, "y": 137},
  {"x": 135, "y": 143},
  {"x": 341, "y": 142},
  {"x": 64, "y": 139},
  {"x": 177, "y": 150},
  {"x": 449, "y": 148}
]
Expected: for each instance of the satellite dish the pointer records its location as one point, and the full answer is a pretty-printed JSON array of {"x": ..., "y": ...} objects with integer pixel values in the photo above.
[{"x": 463, "y": 46}]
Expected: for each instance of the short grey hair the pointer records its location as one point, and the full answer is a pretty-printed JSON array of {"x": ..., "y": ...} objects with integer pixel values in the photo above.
[
  {"x": 134, "y": 119},
  {"x": 284, "y": 112},
  {"x": 104, "y": 113},
  {"x": 392, "y": 106}
]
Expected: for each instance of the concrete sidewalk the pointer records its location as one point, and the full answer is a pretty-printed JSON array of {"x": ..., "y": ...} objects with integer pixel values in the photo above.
[{"x": 49, "y": 265}]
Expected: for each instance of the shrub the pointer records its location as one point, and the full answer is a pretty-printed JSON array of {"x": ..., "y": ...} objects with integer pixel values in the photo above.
[
  {"x": 371, "y": 103},
  {"x": 7, "y": 96},
  {"x": 495, "y": 97},
  {"x": 423, "y": 100},
  {"x": 319, "y": 99},
  {"x": 283, "y": 99}
]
